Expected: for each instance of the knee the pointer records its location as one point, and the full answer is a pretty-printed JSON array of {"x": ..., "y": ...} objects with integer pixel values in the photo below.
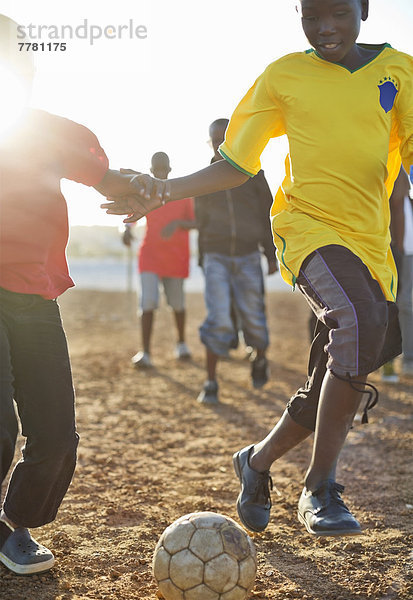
[
  {"x": 303, "y": 410},
  {"x": 52, "y": 447},
  {"x": 64, "y": 446},
  {"x": 217, "y": 337},
  {"x": 148, "y": 305}
]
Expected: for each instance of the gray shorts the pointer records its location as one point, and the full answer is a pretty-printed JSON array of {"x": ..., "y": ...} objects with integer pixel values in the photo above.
[
  {"x": 362, "y": 325},
  {"x": 173, "y": 288},
  {"x": 357, "y": 329}
]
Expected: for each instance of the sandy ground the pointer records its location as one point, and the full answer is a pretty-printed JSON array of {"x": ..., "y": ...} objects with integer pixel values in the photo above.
[{"x": 150, "y": 453}]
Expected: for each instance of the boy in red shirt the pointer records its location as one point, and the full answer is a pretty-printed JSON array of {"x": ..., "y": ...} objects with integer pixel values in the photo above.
[
  {"x": 163, "y": 257},
  {"x": 35, "y": 154}
]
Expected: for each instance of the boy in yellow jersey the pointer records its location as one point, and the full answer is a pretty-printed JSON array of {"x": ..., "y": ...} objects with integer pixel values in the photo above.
[{"x": 347, "y": 110}]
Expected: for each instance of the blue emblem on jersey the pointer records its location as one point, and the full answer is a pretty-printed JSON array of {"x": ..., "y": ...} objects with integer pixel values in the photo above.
[{"x": 388, "y": 92}]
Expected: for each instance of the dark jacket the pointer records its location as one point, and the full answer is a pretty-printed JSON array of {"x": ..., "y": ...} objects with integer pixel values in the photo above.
[{"x": 236, "y": 222}]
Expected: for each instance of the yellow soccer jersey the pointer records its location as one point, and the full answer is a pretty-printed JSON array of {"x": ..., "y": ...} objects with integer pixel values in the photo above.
[{"x": 346, "y": 132}]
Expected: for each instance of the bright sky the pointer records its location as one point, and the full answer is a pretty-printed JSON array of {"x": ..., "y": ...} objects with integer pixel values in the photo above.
[{"x": 161, "y": 93}]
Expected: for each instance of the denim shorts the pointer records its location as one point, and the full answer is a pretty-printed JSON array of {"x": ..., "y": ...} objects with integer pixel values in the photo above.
[
  {"x": 173, "y": 288},
  {"x": 233, "y": 282}
]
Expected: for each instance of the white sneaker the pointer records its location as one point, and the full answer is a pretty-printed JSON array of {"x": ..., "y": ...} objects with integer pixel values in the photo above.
[
  {"x": 142, "y": 360},
  {"x": 182, "y": 351}
]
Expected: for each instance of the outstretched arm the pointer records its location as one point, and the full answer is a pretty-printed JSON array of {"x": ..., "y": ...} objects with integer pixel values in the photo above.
[
  {"x": 150, "y": 193},
  {"x": 115, "y": 183}
]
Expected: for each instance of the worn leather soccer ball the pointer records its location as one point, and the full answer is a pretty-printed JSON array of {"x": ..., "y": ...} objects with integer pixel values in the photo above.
[{"x": 205, "y": 556}]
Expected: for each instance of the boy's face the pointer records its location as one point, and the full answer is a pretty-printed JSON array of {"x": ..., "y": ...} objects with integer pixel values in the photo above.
[{"x": 332, "y": 26}]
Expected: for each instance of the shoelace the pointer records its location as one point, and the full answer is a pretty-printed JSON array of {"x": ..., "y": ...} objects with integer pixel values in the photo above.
[
  {"x": 333, "y": 494},
  {"x": 372, "y": 394},
  {"x": 263, "y": 487}
]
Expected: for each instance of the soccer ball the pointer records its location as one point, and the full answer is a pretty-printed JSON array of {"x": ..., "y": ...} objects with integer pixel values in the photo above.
[{"x": 204, "y": 556}]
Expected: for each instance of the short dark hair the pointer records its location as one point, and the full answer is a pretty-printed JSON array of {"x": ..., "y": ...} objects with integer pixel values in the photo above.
[
  {"x": 160, "y": 155},
  {"x": 219, "y": 123}
]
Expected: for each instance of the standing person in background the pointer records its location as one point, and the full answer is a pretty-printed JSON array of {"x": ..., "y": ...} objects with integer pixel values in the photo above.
[
  {"x": 234, "y": 226},
  {"x": 401, "y": 229},
  {"x": 405, "y": 298},
  {"x": 163, "y": 258}
]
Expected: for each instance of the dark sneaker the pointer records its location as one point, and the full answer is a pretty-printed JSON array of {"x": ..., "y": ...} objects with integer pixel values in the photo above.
[
  {"x": 324, "y": 513},
  {"x": 259, "y": 371},
  {"x": 209, "y": 393},
  {"x": 23, "y": 555},
  {"x": 254, "y": 500}
]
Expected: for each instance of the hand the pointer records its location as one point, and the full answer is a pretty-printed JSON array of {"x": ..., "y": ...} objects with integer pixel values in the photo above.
[
  {"x": 147, "y": 193},
  {"x": 127, "y": 237},
  {"x": 272, "y": 267},
  {"x": 169, "y": 229},
  {"x": 152, "y": 188}
]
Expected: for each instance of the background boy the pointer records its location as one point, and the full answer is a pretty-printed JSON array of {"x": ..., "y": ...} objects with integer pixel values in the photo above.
[
  {"x": 401, "y": 228},
  {"x": 347, "y": 110},
  {"x": 163, "y": 257},
  {"x": 233, "y": 227}
]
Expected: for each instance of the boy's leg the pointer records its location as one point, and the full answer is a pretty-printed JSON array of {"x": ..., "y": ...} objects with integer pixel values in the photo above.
[
  {"x": 211, "y": 365},
  {"x": 283, "y": 437},
  {"x": 147, "y": 323},
  {"x": 252, "y": 464},
  {"x": 248, "y": 295},
  {"x": 174, "y": 291},
  {"x": 405, "y": 303},
  {"x": 349, "y": 301},
  {"x": 45, "y": 399},
  {"x": 148, "y": 303},
  {"x": 237, "y": 326},
  {"x": 8, "y": 421},
  {"x": 303, "y": 406},
  {"x": 338, "y": 405},
  {"x": 217, "y": 331},
  {"x": 180, "y": 317}
]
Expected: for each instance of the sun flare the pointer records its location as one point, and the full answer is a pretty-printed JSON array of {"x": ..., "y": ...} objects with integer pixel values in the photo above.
[{"x": 13, "y": 99}]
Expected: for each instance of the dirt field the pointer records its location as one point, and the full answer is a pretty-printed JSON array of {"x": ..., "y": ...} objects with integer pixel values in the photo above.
[{"x": 150, "y": 453}]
